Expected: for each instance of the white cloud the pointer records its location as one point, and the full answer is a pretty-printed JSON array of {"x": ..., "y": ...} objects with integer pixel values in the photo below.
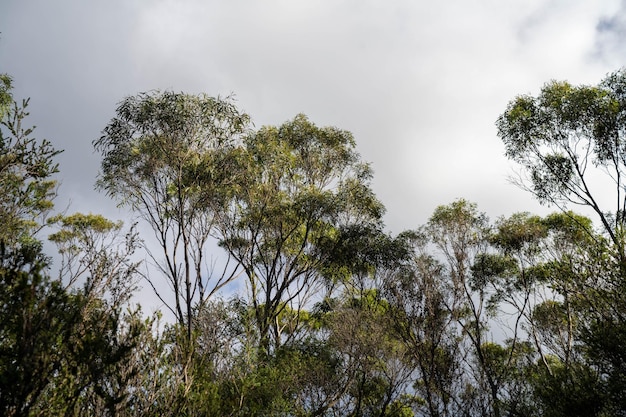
[{"x": 420, "y": 83}]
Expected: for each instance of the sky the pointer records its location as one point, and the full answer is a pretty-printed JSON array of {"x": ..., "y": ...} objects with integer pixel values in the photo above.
[{"x": 419, "y": 83}]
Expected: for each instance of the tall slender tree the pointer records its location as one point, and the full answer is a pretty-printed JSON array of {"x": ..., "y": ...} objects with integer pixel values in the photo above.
[
  {"x": 301, "y": 187},
  {"x": 569, "y": 142},
  {"x": 152, "y": 152}
]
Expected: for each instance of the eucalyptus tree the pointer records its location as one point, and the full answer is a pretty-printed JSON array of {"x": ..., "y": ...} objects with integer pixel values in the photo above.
[
  {"x": 97, "y": 254},
  {"x": 63, "y": 346},
  {"x": 460, "y": 234},
  {"x": 520, "y": 244},
  {"x": 418, "y": 308},
  {"x": 63, "y": 351},
  {"x": 556, "y": 263},
  {"x": 153, "y": 151},
  {"x": 570, "y": 144},
  {"x": 301, "y": 189},
  {"x": 27, "y": 167},
  {"x": 552, "y": 265}
]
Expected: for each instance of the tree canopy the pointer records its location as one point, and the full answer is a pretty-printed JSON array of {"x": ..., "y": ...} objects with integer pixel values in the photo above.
[
  {"x": 561, "y": 135},
  {"x": 282, "y": 292}
]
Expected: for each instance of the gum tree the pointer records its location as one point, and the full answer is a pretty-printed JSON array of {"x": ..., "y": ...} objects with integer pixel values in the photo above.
[
  {"x": 153, "y": 150},
  {"x": 27, "y": 167},
  {"x": 569, "y": 142},
  {"x": 63, "y": 346},
  {"x": 301, "y": 189}
]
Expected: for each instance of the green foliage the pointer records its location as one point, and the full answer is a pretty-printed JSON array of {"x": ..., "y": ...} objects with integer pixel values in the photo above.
[
  {"x": 518, "y": 317},
  {"x": 558, "y": 136},
  {"x": 37, "y": 316},
  {"x": 569, "y": 391},
  {"x": 60, "y": 351},
  {"x": 26, "y": 167},
  {"x": 157, "y": 135},
  {"x": 302, "y": 192},
  {"x": 605, "y": 346},
  {"x": 421, "y": 319},
  {"x": 5, "y": 94},
  {"x": 169, "y": 156},
  {"x": 491, "y": 269},
  {"x": 562, "y": 139},
  {"x": 520, "y": 232},
  {"x": 64, "y": 349},
  {"x": 361, "y": 249}
]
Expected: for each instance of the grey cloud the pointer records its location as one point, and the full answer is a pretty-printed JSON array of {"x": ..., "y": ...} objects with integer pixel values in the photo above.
[
  {"x": 610, "y": 36},
  {"x": 419, "y": 83}
]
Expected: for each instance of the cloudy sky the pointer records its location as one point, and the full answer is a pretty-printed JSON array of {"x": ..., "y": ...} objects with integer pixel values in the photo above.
[{"x": 419, "y": 83}]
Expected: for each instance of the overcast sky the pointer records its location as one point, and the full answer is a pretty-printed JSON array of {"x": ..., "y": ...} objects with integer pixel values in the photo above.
[{"x": 419, "y": 83}]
